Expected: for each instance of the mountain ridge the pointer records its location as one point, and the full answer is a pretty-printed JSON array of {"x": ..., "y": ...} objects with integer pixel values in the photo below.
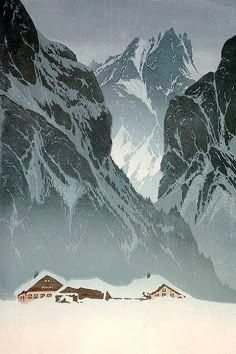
[
  {"x": 137, "y": 85},
  {"x": 65, "y": 206}
]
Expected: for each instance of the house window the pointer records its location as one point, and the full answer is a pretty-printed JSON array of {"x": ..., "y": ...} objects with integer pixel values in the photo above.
[
  {"x": 164, "y": 290},
  {"x": 35, "y": 296},
  {"x": 157, "y": 295},
  {"x": 47, "y": 287},
  {"x": 163, "y": 294},
  {"x": 30, "y": 296},
  {"x": 42, "y": 295},
  {"x": 172, "y": 295},
  {"x": 49, "y": 295}
]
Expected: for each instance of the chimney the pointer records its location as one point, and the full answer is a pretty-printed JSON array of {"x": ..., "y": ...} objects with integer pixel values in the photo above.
[
  {"x": 36, "y": 274},
  {"x": 148, "y": 275}
]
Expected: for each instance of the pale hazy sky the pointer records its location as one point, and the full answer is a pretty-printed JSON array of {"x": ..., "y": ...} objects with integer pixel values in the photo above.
[{"x": 94, "y": 29}]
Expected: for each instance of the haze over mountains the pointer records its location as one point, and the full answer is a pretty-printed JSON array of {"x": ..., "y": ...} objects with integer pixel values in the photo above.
[
  {"x": 64, "y": 204},
  {"x": 138, "y": 85}
]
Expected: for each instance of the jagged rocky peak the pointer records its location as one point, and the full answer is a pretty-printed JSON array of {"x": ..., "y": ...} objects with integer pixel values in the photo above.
[
  {"x": 199, "y": 165},
  {"x": 167, "y": 45},
  {"x": 138, "y": 85},
  {"x": 229, "y": 49}
]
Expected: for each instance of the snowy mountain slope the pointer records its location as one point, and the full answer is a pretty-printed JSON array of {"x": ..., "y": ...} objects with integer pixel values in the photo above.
[
  {"x": 199, "y": 165},
  {"x": 64, "y": 204},
  {"x": 138, "y": 85},
  {"x": 140, "y": 163}
]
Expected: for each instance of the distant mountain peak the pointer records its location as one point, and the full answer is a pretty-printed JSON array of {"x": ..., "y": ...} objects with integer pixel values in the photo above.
[
  {"x": 94, "y": 65},
  {"x": 170, "y": 32},
  {"x": 152, "y": 53},
  {"x": 137, "y": 85}
]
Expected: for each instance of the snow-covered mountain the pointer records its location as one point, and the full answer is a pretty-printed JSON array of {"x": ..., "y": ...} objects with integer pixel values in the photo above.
[
  {"x": 64, "y": 205},
  {"x": 199, "y": 165},
  {"x": 138, "y": 85}
]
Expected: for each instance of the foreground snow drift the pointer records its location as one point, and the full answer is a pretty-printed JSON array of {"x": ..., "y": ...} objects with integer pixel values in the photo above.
[{"x": 163, "y": 326}]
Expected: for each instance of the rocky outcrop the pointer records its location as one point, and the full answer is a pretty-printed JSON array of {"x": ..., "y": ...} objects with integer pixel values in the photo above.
[{"x": 199, "y": 167}]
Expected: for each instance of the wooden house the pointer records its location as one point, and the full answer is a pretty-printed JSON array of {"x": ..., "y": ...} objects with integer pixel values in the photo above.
[
  {"x": 45, "y": 287},
  {"x": 82, "y": 293},
  {"x": 165, "y": 290}
]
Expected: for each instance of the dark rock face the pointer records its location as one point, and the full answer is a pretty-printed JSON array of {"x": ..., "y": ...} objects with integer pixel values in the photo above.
[
  {"x": 167, "y": 68},
  {"x": 199, "y": 165},
  {"x": 138, "y": 85},
  {"x": 64, "y": 205},
  {"x": 19, "y": 39}
]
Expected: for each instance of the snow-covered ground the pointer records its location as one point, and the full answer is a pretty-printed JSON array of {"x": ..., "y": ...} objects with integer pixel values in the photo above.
[{"x": 163, "y": 326}]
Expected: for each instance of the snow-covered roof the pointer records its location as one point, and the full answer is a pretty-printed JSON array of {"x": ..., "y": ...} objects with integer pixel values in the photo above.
[
  {"x": 33, "y": 281},
  {"x": 134, "y": 289}
]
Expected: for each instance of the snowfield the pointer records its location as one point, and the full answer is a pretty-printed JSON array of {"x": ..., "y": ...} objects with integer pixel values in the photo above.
[{"x": 163, "y": 326}]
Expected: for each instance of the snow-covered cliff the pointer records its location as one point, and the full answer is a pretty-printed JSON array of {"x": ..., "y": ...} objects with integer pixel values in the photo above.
[{"x": 199, "y": 167}]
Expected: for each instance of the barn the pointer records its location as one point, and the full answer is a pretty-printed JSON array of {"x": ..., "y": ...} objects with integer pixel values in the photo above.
[{"x": 82, "y": 293}]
